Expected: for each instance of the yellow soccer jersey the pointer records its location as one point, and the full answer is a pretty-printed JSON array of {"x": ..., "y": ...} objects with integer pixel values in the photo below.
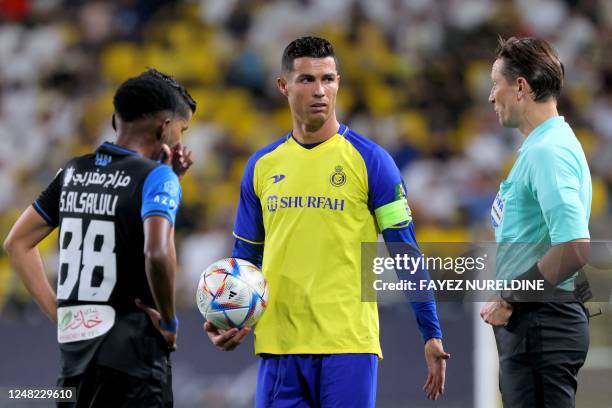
[{"x": 310, "y": 209}]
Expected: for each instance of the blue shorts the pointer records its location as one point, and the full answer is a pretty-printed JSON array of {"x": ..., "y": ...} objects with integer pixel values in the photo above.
[{"x": 316, "y": 380}]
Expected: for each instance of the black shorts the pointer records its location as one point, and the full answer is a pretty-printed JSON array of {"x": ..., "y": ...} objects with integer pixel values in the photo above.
[{"x": 104, "y": 387}]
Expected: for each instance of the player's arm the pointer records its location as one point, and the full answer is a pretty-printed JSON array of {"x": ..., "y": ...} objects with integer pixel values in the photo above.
[
  {"x": 160, "y": 264},
  {"x": 160, "y": 267},
  {"x": 424, "y": 309},
  {"x": 249, "y": 251},
  {"x": 36, "y": 222},
  {"x": 423, "y": 303},
  {"x": 249, "y": 231},
  {"x": 248, "y": 245},
  {"x": 21, "y": 247},
  {"x": 387, "y": 198},
  {"x": 161, "y": 196}
]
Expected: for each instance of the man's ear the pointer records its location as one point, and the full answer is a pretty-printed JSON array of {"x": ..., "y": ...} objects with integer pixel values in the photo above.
[
  {"x": 281, "y": 83},
  {"x": 523, "y": 88},
  {"x": 113, "y": 123},
  {"x": 163, "y": 130}
]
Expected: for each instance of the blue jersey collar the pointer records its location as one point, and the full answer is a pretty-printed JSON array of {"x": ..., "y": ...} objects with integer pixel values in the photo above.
[
  {"x": 108, "y": 147},
  {"x": 341, "y": 131}
]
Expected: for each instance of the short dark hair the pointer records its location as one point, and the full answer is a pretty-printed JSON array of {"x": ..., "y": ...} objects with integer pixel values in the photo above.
[
  {"x": 313, "y": 47},
  {"x": 536, "y": 61},
  {"x": 149, "y": 93}
]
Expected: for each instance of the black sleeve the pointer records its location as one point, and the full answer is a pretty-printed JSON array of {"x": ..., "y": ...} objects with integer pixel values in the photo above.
[{"x": 47, "y": 204}]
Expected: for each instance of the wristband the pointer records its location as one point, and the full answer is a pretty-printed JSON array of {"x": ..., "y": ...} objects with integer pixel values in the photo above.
[
  {"x": 170, "y": 326},
  {"x": 532, "y": 274}
]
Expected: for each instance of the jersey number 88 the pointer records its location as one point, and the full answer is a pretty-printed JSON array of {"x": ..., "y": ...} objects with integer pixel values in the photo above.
[{"x": 83, "y": 262}]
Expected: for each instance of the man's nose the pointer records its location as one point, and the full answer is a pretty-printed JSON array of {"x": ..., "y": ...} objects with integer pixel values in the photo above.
[{"x": 318, "y": 89}]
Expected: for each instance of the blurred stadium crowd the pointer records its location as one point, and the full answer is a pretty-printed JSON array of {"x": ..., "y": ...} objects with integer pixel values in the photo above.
[{"x": 415, "y": 78}]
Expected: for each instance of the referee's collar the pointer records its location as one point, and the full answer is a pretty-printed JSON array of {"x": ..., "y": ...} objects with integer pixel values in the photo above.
[
  {"x": 108, "y": 147},
  {"x": 540, "y": 130}
]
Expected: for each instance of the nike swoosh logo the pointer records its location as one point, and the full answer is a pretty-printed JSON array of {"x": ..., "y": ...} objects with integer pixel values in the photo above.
[{"x": 277, "y": 178}]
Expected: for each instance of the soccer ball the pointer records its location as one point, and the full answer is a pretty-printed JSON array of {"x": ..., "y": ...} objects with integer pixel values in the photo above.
[{"x": 232, "y": 292}]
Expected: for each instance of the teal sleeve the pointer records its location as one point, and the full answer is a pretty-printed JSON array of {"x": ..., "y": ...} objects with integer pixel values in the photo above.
[{"x": 556, "y": 184}]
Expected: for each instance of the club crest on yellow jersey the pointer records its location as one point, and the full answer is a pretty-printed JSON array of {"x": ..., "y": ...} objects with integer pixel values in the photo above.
[{"x": 338, "y": 177}]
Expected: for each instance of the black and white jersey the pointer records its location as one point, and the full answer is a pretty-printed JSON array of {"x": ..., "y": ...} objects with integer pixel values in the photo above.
[{"x": 99, "y": 202}]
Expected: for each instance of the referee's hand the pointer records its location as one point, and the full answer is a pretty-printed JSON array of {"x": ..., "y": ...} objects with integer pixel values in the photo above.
[
  {"x": 435, "y": 357},
  {"x": 496, "y": 312}
]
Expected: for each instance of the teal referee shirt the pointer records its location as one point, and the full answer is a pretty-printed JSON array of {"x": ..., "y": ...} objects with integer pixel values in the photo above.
[{"x": 545, "y": 200}]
